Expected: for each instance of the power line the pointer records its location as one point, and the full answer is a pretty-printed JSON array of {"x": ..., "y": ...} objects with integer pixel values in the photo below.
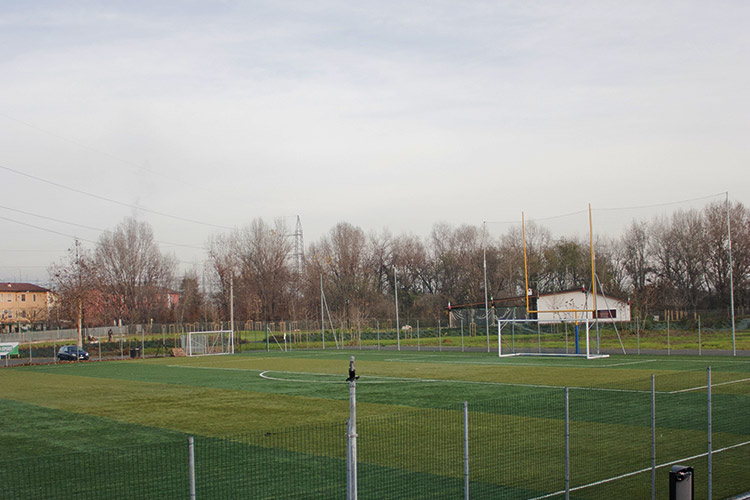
[
  {"x": 46, "y": 230},
  {"x": 679, "y": 202},
  {"x": 660, "y": 204},
  {"x": 134, "y": 207},
  {"x": 85, "y": 227}
]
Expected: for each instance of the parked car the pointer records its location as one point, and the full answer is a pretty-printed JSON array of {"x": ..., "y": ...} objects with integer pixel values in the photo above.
[{"x": 72, "y": 353}]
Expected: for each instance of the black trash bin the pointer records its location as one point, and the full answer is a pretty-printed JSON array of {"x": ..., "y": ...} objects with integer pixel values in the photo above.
[
  {"x": 681, "y": 483},
  {"x": 135, "y": 352}
]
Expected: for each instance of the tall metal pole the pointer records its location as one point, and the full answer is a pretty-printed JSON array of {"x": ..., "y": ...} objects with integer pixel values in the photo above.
[
  {"x": 466, "y": 450},
  {"x": 484, "y": 265},
  {"x": 595, "y": 315},
  {"x": 567, "y": 443},
  {"x": 395, "y": 291},
  {"x": 352, "y": 455},
  {"x": 80, "y": 300},
  {"x": 731, "y": 277},
  {"x": 191, "y": 465},
  {"x": 322, "y": 315},
  {"x": 653, "y": 438},
  {"x": 231, "y": 312},
  {"x": 710, "y": 438},
  {"x": 525, "y": 262}
]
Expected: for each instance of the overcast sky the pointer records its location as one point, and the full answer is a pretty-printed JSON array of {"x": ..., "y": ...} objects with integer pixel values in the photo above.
[{"x": 387, "y": 115}]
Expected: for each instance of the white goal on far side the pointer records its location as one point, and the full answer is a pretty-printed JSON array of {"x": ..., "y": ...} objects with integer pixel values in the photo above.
[{"x": 208, "y": 343}]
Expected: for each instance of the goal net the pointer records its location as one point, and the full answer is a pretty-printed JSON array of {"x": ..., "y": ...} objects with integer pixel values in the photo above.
[{"x": 207, "y": 343}]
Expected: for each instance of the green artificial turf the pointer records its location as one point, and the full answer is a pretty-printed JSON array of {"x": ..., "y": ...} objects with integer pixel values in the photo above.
[{"x": 272, "y": 424}]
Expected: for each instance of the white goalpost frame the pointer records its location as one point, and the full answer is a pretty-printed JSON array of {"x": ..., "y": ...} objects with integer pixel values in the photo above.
[
  {"x": 209, "y": 347},
  {"x": 500, "y": 354}
]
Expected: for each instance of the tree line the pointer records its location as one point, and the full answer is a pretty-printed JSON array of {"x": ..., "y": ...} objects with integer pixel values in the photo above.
[{"x": 680, "y": 262}]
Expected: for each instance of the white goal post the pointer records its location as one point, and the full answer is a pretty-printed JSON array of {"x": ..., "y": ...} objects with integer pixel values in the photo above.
[
  {"x": 502, "y": 323},
  {"x": 208, "y": 343}
]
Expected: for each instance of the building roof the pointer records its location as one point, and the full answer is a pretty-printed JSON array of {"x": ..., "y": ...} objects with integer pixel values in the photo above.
[
  {"x": 21, "y": 287},
  {"x": 580, "y": 290},
  {"x": 521, "y": 299}
]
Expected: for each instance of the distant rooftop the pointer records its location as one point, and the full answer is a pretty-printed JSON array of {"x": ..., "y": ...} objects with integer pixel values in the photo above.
[{"x": 21, "y": 287}]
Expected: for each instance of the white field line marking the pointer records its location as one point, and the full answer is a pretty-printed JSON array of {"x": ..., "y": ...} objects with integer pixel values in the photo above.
[
  {"x": 622, "y": 476},
  {"x": 382, "y": 379},
  {"x": 342, "y": 381},
  {"x": 214, "y": 368},
  {"x": 712, "y": 385},
  {"x": 496, "y": 363},
  {"x": 385, "y": 379}
]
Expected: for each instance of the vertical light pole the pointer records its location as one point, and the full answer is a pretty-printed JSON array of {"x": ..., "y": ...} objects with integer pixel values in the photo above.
[
  {"x": 80, "y": 300},
  {"x": 395, "y": 290},
  {"x": 322, "y": 315},
  {"x": 731, "y": 277},
  {"x": 352, "y": 434},
  {"x": 484, "y": 265},
  {"x": 231, "y": 311}
]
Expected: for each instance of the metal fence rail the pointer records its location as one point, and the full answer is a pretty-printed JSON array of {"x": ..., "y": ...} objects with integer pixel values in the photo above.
[{"x": 524, "y": 446}]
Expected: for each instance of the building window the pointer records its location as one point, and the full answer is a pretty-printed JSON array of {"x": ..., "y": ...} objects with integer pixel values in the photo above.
[
  {"x": 23, "y": 297},
  {"x": 33, "y": 297},
  {"x": 606, "y": 313}
]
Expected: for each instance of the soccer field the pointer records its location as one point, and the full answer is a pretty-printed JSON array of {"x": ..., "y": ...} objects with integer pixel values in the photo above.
[{"x": 280, "y": 418}]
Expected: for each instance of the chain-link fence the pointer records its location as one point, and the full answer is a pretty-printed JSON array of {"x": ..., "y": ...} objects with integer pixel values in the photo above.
[{"x": 612, "y": 442}]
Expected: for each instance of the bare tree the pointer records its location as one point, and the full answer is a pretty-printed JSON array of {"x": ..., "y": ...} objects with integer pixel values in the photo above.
[
  {"x": 133, "y": 273},
  {"x": 191, "y": 303},
  {"x": 73, "y": 282},
  {"x": 458, "y": 262},
  {"x": 716, "y": 248},
  {"x": 680, "y": 263},
  {"x": 344, "y": 261},
  {"x": 223, "y": 270},
  {"x": 265, "y": 269}
]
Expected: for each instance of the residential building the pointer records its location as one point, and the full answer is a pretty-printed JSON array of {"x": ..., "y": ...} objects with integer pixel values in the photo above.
[{"x": 23, "y": 303}]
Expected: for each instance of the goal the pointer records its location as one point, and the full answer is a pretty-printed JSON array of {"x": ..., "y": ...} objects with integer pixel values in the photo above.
[
  {"x": 508, "y": 328},
  {"x": 208, "y": 343}
]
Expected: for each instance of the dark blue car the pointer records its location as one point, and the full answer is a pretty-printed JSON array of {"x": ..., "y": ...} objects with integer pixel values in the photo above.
[{"x": 72, "y": 353}]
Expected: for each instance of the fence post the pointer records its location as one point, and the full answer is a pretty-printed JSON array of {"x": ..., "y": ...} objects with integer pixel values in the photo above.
[
  {"x": 653, "y": 438},
  {"x": 638, "y": 334},
  {"x": 539, "y": 336},
  {"x": 191, "y": 461},
  {"x": 462, "y": 335},
  {"x": 699, "y": 335},
  {"x": 710, "y": 443},
  {"x": 440, "y": 342},
  {"x": 466, "y": 450},
  {"x": 567, "y": 443},
  {"x": 352, "y": 434}
]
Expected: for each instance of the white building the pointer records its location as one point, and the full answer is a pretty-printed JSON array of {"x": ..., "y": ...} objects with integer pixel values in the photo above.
[{"x": 571, "y": 304}]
